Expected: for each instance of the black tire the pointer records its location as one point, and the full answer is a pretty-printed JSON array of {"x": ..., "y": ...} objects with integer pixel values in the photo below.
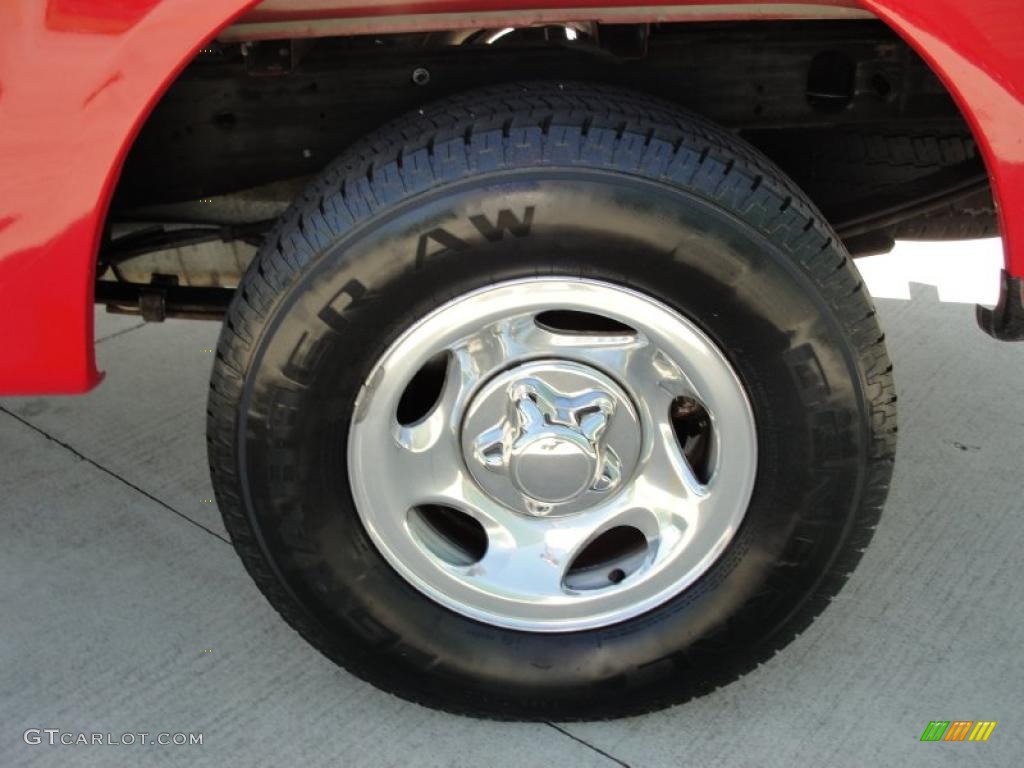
[{"x": 736, "y": 248}]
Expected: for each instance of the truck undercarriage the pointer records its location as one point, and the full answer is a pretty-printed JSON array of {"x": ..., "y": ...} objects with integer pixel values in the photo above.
[{"x": 845, "y": 108}]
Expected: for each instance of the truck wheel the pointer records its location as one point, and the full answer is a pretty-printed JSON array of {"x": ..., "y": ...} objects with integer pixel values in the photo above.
[{"x": 551, "y": 401}]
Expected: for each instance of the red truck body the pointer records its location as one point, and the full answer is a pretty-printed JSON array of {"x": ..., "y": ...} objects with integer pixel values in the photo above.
[{"x": 79, "y": 77}]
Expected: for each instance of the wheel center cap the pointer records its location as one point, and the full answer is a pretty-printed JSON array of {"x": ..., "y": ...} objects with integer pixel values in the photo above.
[
  {"x": 550, "y": 438},
  {"x": 550, "y": 443},
  {"x": 551, "y": 469}
]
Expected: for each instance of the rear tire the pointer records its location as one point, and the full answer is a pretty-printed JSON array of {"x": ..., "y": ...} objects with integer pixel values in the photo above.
[{"x": 571, "y": 185}]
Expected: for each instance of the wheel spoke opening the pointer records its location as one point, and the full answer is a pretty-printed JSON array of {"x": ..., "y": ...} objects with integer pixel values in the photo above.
[
  {"x": 608, "y": 560},
  {"x": 449, "y": 534},
  {"x": 692, "y": 426},
  {"x": 576, "y": 323},
  {"x": 424, "y": 390}
]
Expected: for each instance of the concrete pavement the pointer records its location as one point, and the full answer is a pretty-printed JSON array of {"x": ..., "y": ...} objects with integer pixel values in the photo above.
[{"x": 125, "y": 610}]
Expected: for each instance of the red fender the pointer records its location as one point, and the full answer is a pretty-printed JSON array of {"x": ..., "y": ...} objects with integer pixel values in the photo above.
[{"x": 78, "y": 78}]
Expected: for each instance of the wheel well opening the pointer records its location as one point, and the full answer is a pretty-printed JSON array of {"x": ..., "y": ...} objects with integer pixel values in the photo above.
[{"x": 844, "y": 107}]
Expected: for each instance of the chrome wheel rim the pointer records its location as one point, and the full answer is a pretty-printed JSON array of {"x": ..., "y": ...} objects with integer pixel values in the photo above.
[{"x": 546, "y": 443}]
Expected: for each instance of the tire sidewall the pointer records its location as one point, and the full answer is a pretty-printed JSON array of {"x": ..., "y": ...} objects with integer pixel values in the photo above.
[{"x": 328, "y": 329}]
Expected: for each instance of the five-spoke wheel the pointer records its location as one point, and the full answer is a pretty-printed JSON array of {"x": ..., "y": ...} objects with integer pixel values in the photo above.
[{"x": 545, "y": 485}]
